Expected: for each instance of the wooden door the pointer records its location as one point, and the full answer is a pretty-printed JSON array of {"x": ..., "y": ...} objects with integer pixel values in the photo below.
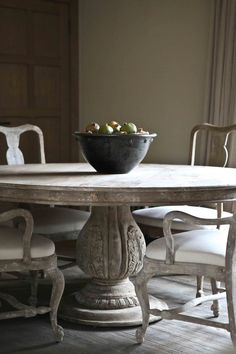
[{"x": 34, "y": 73}]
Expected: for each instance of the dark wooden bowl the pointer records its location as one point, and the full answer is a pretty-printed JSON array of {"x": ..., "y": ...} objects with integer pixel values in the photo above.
[{"x": 114, "y": 153}]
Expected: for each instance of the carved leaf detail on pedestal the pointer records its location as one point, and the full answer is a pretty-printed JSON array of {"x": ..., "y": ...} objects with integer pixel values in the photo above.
[
  {"x": 90, "y": 249},
  {"x": 136, "y": 249},
  {"x": 105, "y": 303}
]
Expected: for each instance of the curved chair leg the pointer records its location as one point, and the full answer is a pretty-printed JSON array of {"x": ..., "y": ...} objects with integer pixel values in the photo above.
[
  {"x": 142, "y": 294},
  {"x": 33, "y": 300},
  {"x": 200, "y": 282},
  {"x": 58, "y": 284},
  {"x": 215, "y": 306}
]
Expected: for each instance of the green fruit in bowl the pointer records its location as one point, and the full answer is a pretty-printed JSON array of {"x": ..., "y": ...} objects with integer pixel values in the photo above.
[
  {"x": 115, "y": 125},
  {"x": 105, "y": 129},
  {"x": 128, "y": 128},
  {"x": 92, "y": 128}
]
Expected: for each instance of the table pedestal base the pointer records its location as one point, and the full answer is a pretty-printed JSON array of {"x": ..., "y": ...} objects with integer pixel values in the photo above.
[
  {"x": 71, "y": 311},
  {"x": 99, "y": 305},
  {"x": 110, "y": 249}
]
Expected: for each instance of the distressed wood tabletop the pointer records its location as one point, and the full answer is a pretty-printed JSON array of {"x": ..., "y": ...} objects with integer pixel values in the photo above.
[{"x": 80, "y": 184}]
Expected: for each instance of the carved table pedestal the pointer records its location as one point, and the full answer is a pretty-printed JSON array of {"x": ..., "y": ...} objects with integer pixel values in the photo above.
[{"x": 110, "y": 249}]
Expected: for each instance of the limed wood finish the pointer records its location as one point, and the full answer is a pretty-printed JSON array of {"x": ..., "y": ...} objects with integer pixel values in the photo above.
[
  {"x": 218, "y": 145},
  {"x": 111, "y": 246},
  {"x": 217, "y": 154},
  {"x": 14, "y": 156},
  {"x": 210, "y": 146},
  {"x": 218, "y": 148},
  {"x": 169, "y": 266},
  {"x": 48, "y": 264}
]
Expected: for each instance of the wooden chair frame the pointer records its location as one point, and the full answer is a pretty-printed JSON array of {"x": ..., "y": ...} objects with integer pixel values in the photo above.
[
  {"x": 15, "y": 156},
  {"x": 217, "y": 155},
  {"x": 27, "y": 263},
  {"x": 225, "y": 274}
]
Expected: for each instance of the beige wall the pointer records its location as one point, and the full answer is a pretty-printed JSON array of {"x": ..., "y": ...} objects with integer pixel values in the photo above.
[{"x": 145, "y": 61}]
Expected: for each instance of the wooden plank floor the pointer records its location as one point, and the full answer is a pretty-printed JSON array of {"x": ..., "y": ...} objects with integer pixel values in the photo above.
[{"x": 33, "y": 335}]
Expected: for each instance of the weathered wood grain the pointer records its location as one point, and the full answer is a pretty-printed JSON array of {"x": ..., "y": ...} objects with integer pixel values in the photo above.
[
  {"x": 148, "y": 184},
  {"x": 111, "y": 246}
]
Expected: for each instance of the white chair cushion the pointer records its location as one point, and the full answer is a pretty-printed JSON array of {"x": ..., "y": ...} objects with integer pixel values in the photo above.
[
  {"x": 55, "y": 220},
  {"x": 11, "y": 244},
  {"x": 154, "y": 216},
  {"x": 196, "y": 246}
]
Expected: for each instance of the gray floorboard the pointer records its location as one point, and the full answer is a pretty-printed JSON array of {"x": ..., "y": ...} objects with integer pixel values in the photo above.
[{"x": 33, "y": 335}]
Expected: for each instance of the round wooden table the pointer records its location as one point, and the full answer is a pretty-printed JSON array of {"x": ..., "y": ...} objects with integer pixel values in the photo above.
[{"x": 111, "y": 247}]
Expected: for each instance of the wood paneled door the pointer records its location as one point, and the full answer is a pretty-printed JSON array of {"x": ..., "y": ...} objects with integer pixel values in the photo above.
[{"x": 36, "y": 58}]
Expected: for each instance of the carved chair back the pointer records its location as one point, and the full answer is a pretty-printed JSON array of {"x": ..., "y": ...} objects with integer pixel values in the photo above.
[
  {"x": 14, "y": 155},
  {"x": 214, "y": 143},
  {"x": 216, "y": 139}
]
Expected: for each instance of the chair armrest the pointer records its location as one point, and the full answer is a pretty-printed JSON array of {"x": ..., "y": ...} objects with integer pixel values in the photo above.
[
  {"x": 28, "y": 230},
  {"x": 187, "y": 218}
]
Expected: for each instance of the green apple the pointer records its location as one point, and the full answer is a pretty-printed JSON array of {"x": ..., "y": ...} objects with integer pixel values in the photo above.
[
  {"x": 128, "y": 128},
  {"x": 105, "y": 129}
]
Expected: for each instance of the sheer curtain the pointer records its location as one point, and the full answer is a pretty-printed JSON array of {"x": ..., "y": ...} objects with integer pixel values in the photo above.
[
  {"x": 221, "y": 96},
  {"x": 221, "y": 86},
  {"x": 221, "y": 106}
]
